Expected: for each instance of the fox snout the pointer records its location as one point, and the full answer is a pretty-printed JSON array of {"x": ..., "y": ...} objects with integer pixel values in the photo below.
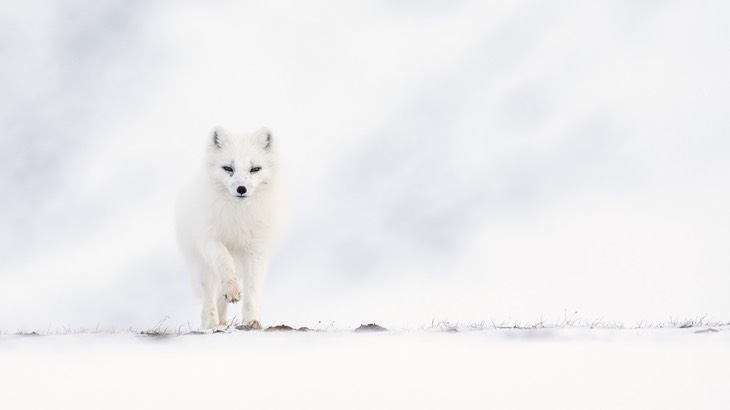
[{"x": 241, "y": 190}]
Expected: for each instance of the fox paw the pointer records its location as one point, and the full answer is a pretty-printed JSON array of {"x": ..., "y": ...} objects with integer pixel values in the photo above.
[
  {"x": 232, "y": 291},
  {"x": 210, "y": 321}
]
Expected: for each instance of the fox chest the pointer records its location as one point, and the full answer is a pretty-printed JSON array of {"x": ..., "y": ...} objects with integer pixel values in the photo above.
[{"x": 237, "y": 231}]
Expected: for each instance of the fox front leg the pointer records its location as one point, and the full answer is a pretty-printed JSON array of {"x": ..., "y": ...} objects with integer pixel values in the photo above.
[
  {"x": 209, "y": 318},
  {"x": 220, "y": 285},
  {"x": 253, "y": 281},
  {"x": 221, "y": 263}
]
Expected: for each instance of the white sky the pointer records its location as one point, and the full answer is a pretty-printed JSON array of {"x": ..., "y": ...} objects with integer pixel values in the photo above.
[{"x": 465, "y": 162}]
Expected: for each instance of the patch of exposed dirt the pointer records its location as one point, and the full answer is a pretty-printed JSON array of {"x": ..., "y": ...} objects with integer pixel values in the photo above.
[
  {"x": 255, "y": 325},
  {"x": 27, "y": 334},
  {"x": 154, "y": 333},
  {"x": 708, "y": 330},
  {"x": 279, "y": 328},
  {"x": 372, "y": 327}
]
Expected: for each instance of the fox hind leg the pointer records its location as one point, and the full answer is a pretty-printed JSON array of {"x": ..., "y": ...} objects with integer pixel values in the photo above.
[{"x": 222, "y": 310}]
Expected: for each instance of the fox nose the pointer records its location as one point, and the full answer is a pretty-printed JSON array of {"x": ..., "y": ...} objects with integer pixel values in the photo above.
[{"x": 241, "y": 190}]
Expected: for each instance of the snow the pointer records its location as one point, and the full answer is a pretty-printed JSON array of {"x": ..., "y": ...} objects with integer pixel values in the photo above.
[{"x": 570, "y": 368}]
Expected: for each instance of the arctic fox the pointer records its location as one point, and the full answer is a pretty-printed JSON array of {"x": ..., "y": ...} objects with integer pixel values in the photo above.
[{"x": 228, "y": 220}]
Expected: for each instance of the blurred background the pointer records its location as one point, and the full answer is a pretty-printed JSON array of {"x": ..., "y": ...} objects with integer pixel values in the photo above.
[{"x": 465, "y": 161}]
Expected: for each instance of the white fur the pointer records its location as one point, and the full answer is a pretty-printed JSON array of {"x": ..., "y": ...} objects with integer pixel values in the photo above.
[{"x": 227, "y": 239}]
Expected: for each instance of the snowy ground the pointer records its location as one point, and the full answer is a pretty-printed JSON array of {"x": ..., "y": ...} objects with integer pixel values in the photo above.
[{"x": 558, "y": 368}]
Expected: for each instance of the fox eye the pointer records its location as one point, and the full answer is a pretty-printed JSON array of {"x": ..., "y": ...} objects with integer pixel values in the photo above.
[
  {"x": 255, "y": 170},
  {"x": 227, "y": 169}
]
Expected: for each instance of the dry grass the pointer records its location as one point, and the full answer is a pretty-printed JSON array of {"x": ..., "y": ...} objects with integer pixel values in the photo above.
[
  {"x": 162, "y": 329},
  {"x": 573, "y": 321}
]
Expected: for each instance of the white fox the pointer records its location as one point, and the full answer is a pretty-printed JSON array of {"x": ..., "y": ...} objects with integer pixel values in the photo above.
[{"x": 228, "y": 220}]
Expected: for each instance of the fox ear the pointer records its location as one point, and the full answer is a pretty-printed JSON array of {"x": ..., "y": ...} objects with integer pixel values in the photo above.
[
  {"x": 216, "y": 137},
  {"x": 263, "y": 136}
]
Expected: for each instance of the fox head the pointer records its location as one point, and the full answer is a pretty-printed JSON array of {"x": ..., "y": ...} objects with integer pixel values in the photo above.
[{"x": 240, "y": 164}]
